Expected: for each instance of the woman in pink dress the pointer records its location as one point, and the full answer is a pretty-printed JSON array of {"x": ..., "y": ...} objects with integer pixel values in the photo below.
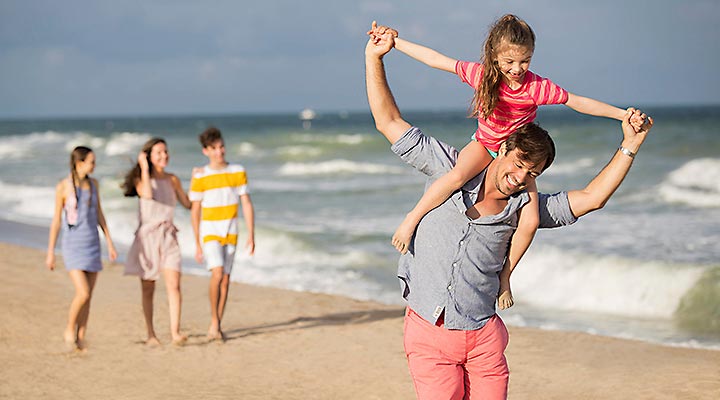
[{"x": 155, "y": 250}]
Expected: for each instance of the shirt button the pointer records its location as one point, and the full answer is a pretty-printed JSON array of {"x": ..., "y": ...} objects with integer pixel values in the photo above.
[
  {"x": 461, "y": 242},
  {"x": 454, "y": 264},
  {"x": 449, "y": 287}
]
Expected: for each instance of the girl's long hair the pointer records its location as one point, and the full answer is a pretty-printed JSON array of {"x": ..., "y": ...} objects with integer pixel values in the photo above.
[
  {"x": 78, "y": 154},
  {"x": 508, "y": 30},
  {"x": 133, "y": 175}
]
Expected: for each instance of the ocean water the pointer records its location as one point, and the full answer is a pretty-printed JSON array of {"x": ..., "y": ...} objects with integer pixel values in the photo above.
[{"x": 329, "y": 195}]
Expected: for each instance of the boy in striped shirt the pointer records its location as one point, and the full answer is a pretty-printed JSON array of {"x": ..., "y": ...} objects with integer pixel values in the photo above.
[{"x": 215, "y": 191}]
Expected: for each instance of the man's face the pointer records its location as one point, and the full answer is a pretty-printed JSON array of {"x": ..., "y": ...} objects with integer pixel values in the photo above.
[{"x": 513, "y": 174}]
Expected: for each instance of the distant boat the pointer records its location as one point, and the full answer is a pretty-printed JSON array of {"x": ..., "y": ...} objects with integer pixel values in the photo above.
[{"x": 307, "y": 115}]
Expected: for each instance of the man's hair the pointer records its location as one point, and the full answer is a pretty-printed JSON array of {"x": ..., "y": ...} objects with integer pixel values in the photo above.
[
  {"x": 533, "y": 143},
  {"x": 210, "y": 136}
]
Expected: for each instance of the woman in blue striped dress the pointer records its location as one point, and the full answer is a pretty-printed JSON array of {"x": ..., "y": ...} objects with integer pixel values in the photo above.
[{"x": 77, "y": 195}]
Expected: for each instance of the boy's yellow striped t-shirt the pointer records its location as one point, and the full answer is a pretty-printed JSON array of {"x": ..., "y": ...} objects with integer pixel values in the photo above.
[{"x": 218, "y": 192}]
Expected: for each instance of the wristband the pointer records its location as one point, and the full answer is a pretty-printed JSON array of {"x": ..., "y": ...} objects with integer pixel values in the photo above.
[{"x": 626, "y": 152}]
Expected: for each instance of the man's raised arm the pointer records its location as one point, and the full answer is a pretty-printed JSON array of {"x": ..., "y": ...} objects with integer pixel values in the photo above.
[
  {"x": 382, "y": 104},
  {"x": 598, "y": 191}
]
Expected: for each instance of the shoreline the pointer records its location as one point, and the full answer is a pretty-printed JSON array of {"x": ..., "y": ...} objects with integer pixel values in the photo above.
[
  {"x": 286, "y": 344},
  {"x": 34, "y": 236}
]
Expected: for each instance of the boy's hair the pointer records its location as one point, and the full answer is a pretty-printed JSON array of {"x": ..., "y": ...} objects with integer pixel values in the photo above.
[
  {"x": 508, "y": 30},
  {"x": 533, "y": 143},
  {"x": 210, "y": 136}
]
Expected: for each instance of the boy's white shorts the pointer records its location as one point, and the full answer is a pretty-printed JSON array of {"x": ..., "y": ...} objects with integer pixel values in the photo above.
[{"x": 217, "y": 255}]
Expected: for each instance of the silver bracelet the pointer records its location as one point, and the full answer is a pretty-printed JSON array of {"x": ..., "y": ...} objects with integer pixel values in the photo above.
[{"x": 626, "y": 152}]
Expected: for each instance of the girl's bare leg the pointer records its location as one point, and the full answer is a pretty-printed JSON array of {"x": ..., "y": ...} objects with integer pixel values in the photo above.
[
  {"x": 471, "y": 161},
  {"x": 79, "y": 307},
  {"x": 528, "y": 222},
  {"x": 148, "y": 292},
  {"x": 84, "y": 315},
  {"x": 172, "y": 287}
]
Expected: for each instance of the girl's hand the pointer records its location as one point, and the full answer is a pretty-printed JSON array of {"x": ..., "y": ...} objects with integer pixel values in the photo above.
[
  {"x": 637, "y": 119},
  {"x": 50, "y": 261},
  {"x": 142, "y": 160},
  {"x": 112, "y": 254},
  {"x": 376, "y": 32}
]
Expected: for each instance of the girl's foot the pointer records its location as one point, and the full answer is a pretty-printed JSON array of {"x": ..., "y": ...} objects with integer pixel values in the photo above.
[
  {"x": 403, "y": 234},
  {"x": 505, "y": 299},
  {"x": 152, "y": 342}
]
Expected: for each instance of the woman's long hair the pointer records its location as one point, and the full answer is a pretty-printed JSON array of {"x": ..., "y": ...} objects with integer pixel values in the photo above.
[
  {"x": 508, "y": 30},
  {"x": 133, "y": 176}
]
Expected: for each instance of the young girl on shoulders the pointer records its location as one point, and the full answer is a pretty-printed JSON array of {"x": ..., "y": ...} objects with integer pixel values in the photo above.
[
  {"x": 507, "y": 95},
  {"x": 155, "y": 249},
  {"x": 77, "y": 200}
]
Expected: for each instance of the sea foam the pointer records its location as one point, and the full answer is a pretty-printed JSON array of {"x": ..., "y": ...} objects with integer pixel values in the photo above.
[
  {"x": 696, "y": 184},
  {"x": 23, "y": 202},
  {"x": 338, "y": 166},
  {"x": 19, "y": 146},
  {"x": 564, "y": 280},
  {"x": 126, "y": 143}
]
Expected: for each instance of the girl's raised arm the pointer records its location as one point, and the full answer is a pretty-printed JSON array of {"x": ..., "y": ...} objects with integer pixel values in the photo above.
[
  {"x": 594, "y": 107},
  {"x": 143, "y": 187},
  {"x": 421, "y": 53},
  {"x": 426, "y": 55}
]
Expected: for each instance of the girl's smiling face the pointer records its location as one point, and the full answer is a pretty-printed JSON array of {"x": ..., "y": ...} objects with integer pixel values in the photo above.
[{"x": 514, "y": 62}]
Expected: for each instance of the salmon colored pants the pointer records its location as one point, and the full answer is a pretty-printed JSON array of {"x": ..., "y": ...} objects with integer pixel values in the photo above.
[{"x": 455, "y": 364}]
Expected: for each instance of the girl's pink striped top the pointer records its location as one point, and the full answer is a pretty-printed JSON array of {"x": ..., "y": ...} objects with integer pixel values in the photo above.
[{"x": 515, "y": 107}]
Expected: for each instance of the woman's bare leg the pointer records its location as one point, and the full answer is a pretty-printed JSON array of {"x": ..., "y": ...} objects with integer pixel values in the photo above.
[
  {"x": 172, "y": 287},
  {"x": 148, "y": 292}
]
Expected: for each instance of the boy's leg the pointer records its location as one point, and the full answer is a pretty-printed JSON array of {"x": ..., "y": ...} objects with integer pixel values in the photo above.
[
  {"x": 471, "y": 161},
  {"x": 229, "y": 259},
  {"x": 216, "y": 276},
  {"x": 148, "y": 293},
  {"x": 214, "y": 255},
  {"x": 224, "y": 289}
]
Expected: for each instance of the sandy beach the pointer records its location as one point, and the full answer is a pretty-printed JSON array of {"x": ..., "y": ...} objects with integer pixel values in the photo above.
[{"x": 288, "y": 345}]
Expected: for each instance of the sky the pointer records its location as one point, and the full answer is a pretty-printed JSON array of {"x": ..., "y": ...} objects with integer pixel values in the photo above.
[{"x": 76, "y": 58}]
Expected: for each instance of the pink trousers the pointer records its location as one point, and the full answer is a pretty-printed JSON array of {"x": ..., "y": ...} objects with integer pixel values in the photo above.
[{"x": 454, "y": 364}]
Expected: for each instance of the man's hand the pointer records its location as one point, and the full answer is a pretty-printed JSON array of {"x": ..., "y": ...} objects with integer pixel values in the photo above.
[
  {"x": 379, "y": 45},
  {"x": 633, "y": 135}
]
